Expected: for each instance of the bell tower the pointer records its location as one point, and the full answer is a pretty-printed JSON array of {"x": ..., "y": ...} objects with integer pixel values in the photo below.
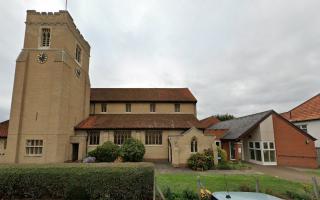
[{"x": 51, "y": 91}]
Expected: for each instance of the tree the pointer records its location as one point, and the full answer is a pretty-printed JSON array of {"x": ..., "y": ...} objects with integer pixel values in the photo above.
[{"x": 224, "y": 117}]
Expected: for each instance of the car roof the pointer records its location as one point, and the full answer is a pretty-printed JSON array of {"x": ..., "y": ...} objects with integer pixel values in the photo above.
[{"x": 243, "y": 196}]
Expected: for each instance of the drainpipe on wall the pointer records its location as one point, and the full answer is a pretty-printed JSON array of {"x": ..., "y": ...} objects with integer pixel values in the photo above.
[{"x": 87, "y": 144}]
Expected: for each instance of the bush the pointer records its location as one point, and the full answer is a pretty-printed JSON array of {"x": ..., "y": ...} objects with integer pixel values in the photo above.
[
  {"x": 200, "y": 161},
  {"x": 77, "y": 181},
  {"x": 223, "y": 155},
  {"x": 224, "y": 166},
  {"x": 108, "y": 152},
  {"x": 132, "y": 150},
  {"x": 296, "y": 195},
  {"x": 168, "y": 194},
  {"x": 188, "y": 194}
]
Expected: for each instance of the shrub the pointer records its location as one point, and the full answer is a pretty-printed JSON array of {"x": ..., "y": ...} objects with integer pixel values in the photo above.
[
  {"x": 77, "y": 181},
  {"x": 296, "y": 195},
  {"x": 223, "y": 154},
  {"x": 168, "y": 194},
  {"x": 200, "y": 161},
  {"x": 132, "y": 150},
  {"x": 210, "y": 158},
  {"x": 188, "y": 194},
  {"x": 108, "y": 152},
  {"x": 224, "y": 166}
]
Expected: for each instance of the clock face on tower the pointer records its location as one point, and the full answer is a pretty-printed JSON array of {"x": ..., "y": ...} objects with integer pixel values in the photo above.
[{"x": 42, "y": 58}]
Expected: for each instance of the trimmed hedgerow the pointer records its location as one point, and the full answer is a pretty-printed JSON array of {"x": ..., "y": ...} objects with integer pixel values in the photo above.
[{"x": 80, "y": 181}]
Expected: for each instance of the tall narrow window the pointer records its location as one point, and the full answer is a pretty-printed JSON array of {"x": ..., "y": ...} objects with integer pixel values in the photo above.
[
  {"x": 152, "y": 107},
  {"x": 34, "y": 147},
  {"x": 78, "y": 54},
  {"x": 121, "y": 136},
  {"x": 45, "y": 37},
  {"x": 94, "y": 138},
  {"x": 128, "y": 107},
  {"x": 194, "y": 145},
  {"x": 269, "y": 152},
  {"x": 177, "y": 107},
  {"x": 103, "y": 107},
  {"x": 5, "y": 144},
  {"x": 232, "y": 150},
  {"x": 153, "y": 137}
]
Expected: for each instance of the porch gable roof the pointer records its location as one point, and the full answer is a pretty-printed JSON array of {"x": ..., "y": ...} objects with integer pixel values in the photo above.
[{"x": 237, "y": 127}]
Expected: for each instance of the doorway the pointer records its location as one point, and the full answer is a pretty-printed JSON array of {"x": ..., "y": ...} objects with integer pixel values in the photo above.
[
  {"x": 75, "y": 152},
  {"x": 170, "y": 152},
  {"x": 232, "y": 151}
]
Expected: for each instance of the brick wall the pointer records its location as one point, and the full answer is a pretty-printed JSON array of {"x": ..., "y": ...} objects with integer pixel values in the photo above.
[{"x": 291, "y": 146}]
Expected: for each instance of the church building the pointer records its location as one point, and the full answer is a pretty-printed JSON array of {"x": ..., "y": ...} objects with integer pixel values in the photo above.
[{"x": 57, "y": 117}]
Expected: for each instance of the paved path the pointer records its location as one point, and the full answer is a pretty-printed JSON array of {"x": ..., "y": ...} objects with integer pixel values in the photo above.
[
  {"x": 287, "y": 173},
  {"x": 291, "y": 174}
]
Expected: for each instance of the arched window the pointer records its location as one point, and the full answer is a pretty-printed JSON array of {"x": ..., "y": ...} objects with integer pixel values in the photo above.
[{"x": 194, "y": 145}]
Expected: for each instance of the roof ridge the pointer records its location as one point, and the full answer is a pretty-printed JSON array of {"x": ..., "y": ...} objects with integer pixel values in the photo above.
[
  {"x": 267, "y": 111},
  {"x": 142, "y": 88}
]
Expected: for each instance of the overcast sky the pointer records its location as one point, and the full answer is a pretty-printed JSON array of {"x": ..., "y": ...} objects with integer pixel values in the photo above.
[{"x": 237, "y": 57}]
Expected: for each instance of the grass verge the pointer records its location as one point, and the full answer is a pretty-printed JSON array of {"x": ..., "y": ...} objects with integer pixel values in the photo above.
[{"x": 216, "y": 182}]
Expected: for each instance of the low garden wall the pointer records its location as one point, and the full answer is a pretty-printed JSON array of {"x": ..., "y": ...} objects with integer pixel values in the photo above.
[{"x": 77, "y": 181}]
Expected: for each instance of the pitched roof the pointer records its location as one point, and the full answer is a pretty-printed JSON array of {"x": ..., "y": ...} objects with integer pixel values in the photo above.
[
  {"x": 142, "y": 95},
  {"x": 140, "y": 121},
  {"x": 209, "y": 121},
  {"x": 4, "y": 126},
  {"x": 239, "y": 126},
  {"x": 308, "y": 110},
  {"x": 218, "y": 133}
]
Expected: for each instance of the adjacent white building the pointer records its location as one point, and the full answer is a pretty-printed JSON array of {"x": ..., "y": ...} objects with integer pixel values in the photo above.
[{"x": 306, "y": 116}]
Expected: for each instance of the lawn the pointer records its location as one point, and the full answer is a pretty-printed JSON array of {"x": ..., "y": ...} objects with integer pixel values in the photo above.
[
  {"x": 313, "y": 171},
  {"x": 278, "y": 187}
]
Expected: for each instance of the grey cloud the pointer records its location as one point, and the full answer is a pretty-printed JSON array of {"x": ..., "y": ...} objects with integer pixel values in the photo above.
[{"x": 236, "y": 57}]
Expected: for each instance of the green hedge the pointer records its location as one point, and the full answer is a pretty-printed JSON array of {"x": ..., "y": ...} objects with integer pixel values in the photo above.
[{"x": 77, "y": 181}]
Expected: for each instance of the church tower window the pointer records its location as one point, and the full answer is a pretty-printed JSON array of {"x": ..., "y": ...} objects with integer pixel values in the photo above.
[
  {"x": 78, "y": 54},
  {"x": 45, "y": 37}
]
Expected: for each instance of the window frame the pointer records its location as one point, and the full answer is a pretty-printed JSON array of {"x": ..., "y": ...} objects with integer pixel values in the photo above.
[
  {"x": 264, "y": 146},
  {"x": 156, "y": 141},
  {"x": 128, "y": 108},
  {"x": 78, "y": 54},
  {"x": 94, "y": 138},
  {"x": 5, "y": 144},
  {"x": 194, "y": 145},
  {"x": 177, "y": 107},
  {"x": 104, "y": 107},
  {"x": 234, "y": 150},
  {"x": 303, "y": 127},
  {"x": 125, "y": 134},
  {"x": 33, "y": 147},
  {"x": 41, "y": 37},
  {"x": 152, "y": 107}
]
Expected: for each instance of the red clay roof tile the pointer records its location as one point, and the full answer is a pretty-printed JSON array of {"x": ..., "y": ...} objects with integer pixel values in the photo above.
[
  {"x": 308, "y": 110},
  {"x": 140, "y": 121},
  {"x": 142, "y": 95},
  {"x": 4, "y": 126},
  {"x": 209, "y": 121},
  {"x": 218, "y": 133}
]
